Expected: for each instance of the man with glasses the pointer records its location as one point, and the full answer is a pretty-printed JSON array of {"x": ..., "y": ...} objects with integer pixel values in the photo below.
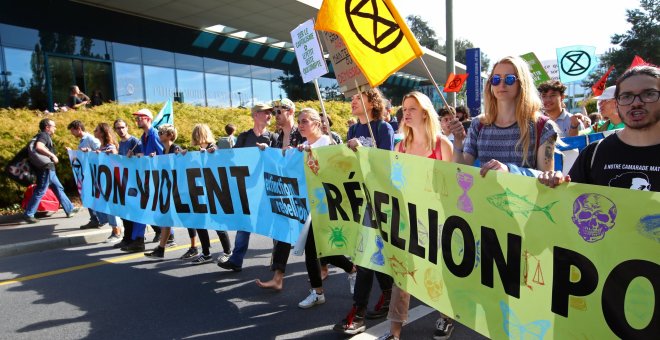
[
  {"x": 128, "y": 146},
  {"x": 552, "y": 96},
  {"x": 629, "y": 158},
  {"x": 46, "y": 176},
  {"x": 261, "y": 114},
  {"x": 285, "y": 119},
  {"x": 150, "y": 145}
]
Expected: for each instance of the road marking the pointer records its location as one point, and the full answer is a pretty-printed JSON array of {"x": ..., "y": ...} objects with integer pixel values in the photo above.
[{"x": 111, "y": 260}]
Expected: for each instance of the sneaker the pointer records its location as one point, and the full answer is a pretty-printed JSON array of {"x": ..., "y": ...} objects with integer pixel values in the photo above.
[
  {"x": 91, "y": 225},
  {"x": 73, "y": 212},
  {"x": 135, "y": 246},
  {"x": 30, "y": 219},
  {"x": 192, "y": 252},
  {"x": 387, "y": 336},
  {"x": 156, "y": 238},
  {"x": 312, "y": 300},
  {"x": 229, "y": 265},
  {"x": 443, "y": 329},
  {"x": 170, "y": 242},
  {"x": 351, "y": 281},
  {"x": 352, "y": 324},
  {"x": 157, "y": 253},
  {"x": 381, "y": 308},
  {"x": 201, "y": 259},
  {"x": 224, "y": 257},
  {"x": 113, "y": 238}
]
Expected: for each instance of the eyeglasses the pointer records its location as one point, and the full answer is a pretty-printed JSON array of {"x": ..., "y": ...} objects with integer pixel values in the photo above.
[
  {"x": 278, "y": 111},
  {"x": 650, "y": 96},
  {"x": 509, "y": 79}
]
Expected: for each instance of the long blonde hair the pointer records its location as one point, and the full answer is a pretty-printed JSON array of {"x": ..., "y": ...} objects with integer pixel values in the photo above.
[
  {"x": 202, "y": 134},
  {"x": 528, "y": 103},
  {"x": 431, "y": 121}
]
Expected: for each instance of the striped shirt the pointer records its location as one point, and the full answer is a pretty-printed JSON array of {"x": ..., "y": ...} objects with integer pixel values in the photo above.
[{"x": 493, "y": 142}]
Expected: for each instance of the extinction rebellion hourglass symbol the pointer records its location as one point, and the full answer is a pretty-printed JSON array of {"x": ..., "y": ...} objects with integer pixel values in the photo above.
[{"x": 465, "y": 181}]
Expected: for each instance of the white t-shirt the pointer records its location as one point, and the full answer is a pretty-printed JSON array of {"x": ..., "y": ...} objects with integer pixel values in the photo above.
[{"x": 323, "y": 141}]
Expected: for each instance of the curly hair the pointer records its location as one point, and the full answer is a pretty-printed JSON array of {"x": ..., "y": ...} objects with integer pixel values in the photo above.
[
  {"x": 552, "y": 85},
  {"x": 377, "y": 100},
  {"x": 106, "y": 137}
]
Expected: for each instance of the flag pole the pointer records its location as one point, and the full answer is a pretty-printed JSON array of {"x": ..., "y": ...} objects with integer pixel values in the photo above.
[
  {"x": 366, "y": 114},
  {"x": 433, "y": 81},
  {"x": 324, "y": 116}
]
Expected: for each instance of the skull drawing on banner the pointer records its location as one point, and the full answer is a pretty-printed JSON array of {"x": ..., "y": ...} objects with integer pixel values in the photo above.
[
  {"x": 594, "y": 215},
  {"x": 433, "y": 284}
]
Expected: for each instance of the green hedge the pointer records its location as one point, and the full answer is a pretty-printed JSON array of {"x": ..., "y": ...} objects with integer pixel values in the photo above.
[{"x": 20, "y": 125}]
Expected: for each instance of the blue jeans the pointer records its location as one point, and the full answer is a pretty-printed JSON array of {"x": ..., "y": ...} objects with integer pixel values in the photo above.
[
  {"x": 240, "y": 248},
  {"x": 47, "y": 178},
  {"x": 106, "y": 218}
]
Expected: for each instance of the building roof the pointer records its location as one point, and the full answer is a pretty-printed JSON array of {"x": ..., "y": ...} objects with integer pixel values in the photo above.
[{"x": 259, "y": 21}]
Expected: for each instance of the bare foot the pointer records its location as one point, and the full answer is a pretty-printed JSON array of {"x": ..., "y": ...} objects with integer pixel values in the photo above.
[
  {"x": 324, "y": 272},
  {"x": 272, "y": 284}
]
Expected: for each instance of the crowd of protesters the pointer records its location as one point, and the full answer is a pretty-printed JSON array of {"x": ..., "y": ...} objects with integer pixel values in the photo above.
[{"x": 517, "y": 133}]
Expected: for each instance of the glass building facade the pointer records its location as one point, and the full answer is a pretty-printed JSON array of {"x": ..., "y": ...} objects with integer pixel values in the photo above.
[{"x": 130, "y": 59}]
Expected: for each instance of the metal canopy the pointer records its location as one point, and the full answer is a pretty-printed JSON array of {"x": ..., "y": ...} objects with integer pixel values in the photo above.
[{"x": 267, "y": 22}]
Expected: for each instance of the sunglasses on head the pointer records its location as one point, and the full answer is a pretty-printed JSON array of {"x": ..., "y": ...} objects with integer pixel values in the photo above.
[{"x": 509, "y": 79}]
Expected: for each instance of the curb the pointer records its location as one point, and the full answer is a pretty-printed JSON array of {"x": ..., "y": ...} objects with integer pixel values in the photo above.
[{"x": 89, "y": 237}]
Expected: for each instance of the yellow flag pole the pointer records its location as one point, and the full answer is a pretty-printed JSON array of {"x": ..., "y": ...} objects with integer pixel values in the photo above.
[
  {"x": 366, "y": 114},
  {"x": 433, "y": 81},
  {"x": 324, "y": 116}
]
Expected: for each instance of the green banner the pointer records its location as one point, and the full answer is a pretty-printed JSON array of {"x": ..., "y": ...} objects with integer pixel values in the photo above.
[
  {"x": 503, "y": 255},
  {"x": 536, "y": 68}
]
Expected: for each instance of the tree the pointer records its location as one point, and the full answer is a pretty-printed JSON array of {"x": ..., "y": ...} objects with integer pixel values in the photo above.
[
  {"x": 295, "y": 88},
  {"x": 642, "y": 39},
  {"x": 425, "y": 35},
  {"x": 461, "y": 45}
]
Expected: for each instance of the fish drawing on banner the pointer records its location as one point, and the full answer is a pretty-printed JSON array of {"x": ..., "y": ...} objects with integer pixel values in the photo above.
[{"x": 511, "y": 204}]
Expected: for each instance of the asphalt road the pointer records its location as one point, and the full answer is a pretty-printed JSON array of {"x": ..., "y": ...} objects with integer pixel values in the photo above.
[{"x": 97, "y": 292}]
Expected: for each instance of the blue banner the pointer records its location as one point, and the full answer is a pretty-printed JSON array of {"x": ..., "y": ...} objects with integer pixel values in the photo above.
[
  {"x": 474, "y": 88},
  {"x": 575, "y": 62},
  {"x": 263, "y": 192}
]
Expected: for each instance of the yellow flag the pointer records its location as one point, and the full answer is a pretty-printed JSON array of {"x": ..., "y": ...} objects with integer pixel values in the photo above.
[{"x": 377, "y": 38}]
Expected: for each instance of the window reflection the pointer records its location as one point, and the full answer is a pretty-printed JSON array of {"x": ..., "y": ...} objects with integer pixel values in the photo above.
[
  {"x": 128, "y": 53},
  {"x": 19, "y": 77},
  {"x": 18, "y": 36},
  {"x": 241, "y": 92},
  {"x": 262, "y": 91},
  {"x": 155, "y": 57},
  {"x": 159, "y": 84},
  {"x": 217, "y": 90},
  {"x": 129, "y": 83},
  {"x": 191, "y": 85},
  {"x": 188, "y": 62}
]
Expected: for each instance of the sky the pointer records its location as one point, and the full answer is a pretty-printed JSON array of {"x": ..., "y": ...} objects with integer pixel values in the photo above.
[{"x": 514, "y": 27}]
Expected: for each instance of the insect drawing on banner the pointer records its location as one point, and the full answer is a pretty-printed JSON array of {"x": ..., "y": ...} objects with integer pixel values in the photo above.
[
  {"x": 593, "y": 215},
  {"x": 515, "y": 329},
  {"x": 511, "y": 203},
  {"x": 422, "y": 233},
  {"x": 377, "y": 257},
  {"x": 433, "y": 283},
  {"x": 649, "y": 227},
  {"x": 400, "y": 269},
  {"x": 538, "y": 272},
  {"x": 457, "y": 240},
  {"x": 337, "y": 238},
  {"x": 465, "y": 181},
  {"x": 396, "y": 176},
  {"x": 312, "y": 163},
  {"x": 322, "y": 205}
]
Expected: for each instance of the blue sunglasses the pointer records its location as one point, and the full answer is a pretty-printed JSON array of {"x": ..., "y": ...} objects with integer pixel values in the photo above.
[{"x": 509, "y": 79}]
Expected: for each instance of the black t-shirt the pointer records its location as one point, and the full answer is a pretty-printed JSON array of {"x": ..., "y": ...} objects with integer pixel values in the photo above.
[
  {"x": 248, "y": 139},
  {"x": 73, "y": 101},
  {"x": 617, "y": 164},
  {"x": 44, "y": 138}
]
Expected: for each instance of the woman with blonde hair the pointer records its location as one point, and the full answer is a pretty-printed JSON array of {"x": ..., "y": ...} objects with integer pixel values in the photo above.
[
  {"x": 422, "y": 137},
  {"x": 202, "y": 136},
  {"x": 512, "y": 135}
]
